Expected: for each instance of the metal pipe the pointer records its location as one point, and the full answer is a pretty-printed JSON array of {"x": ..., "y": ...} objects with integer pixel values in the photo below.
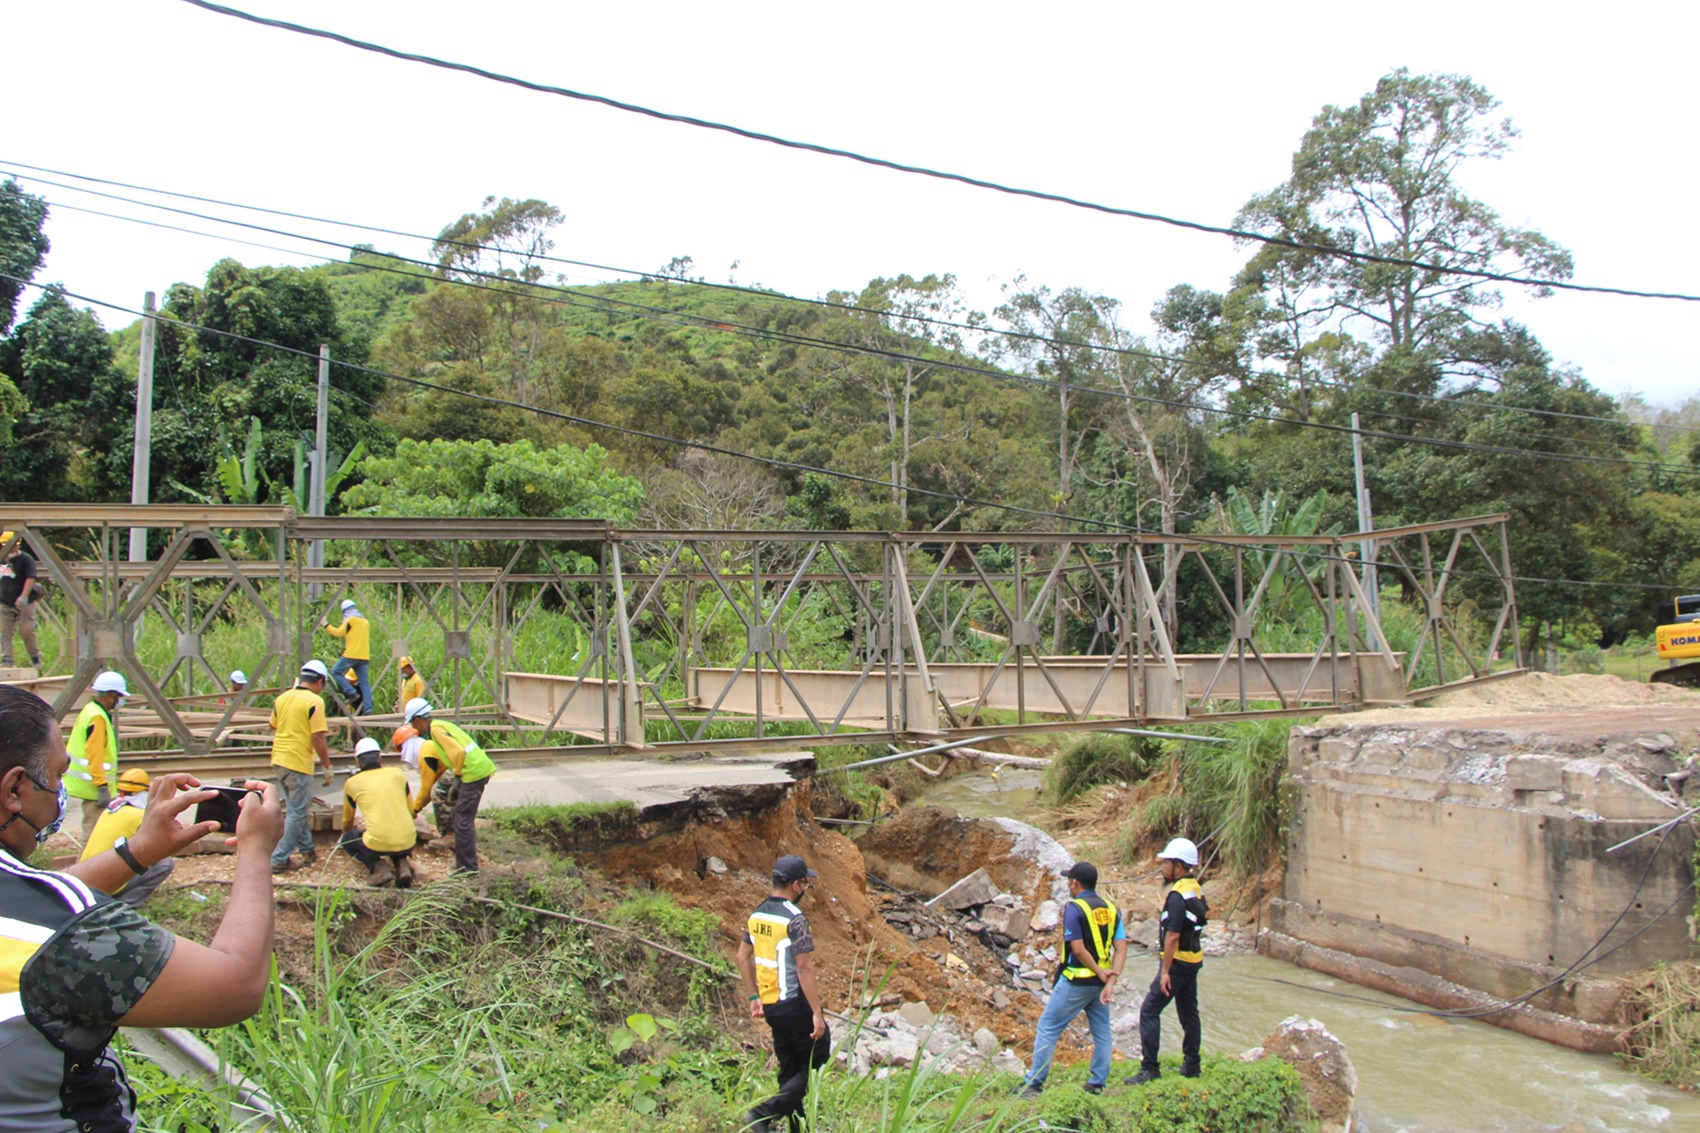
[
  {"x": 1156, "y": 735},
  {"x": 1661, "y": 826},
  {"x": 907, "y": 754}
]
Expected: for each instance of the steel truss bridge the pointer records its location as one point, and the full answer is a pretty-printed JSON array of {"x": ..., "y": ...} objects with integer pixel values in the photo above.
[{"x": 688, "y": 641}]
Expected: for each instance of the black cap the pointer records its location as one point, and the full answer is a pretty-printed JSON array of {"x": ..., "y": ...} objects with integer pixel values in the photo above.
[
  {"x": 1084, "y": 872},
  {"x": 791, "y": 868}
]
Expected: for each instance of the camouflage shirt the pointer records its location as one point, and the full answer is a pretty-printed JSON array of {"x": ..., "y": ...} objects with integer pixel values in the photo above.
[{"x": 78, "y": 962}]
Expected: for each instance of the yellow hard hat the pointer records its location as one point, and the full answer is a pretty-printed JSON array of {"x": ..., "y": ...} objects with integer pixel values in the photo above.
[
  {"x": 132, "y": 780},
  {"x": 404, "y": 662},
  {"x": 7, "y": 536}
]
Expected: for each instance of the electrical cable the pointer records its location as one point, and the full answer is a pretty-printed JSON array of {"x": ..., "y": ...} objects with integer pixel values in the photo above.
[
  {"x": 779, "y": 295},
  {"x": 772, "y": 295},
  {"x": 576, "y": 298},
  {"x": 960, "y": 178},
  {"x": 1110, "y": 525}
]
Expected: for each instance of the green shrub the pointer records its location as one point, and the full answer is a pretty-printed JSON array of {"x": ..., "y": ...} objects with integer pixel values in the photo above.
[{"x": 1095, "y": 759}]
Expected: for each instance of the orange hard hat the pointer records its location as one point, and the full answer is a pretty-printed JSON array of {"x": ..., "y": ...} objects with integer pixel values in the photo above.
[{"x": 402, "y": 735}]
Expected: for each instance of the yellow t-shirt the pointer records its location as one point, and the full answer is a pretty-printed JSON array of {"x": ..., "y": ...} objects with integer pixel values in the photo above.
[
  {"x": 121, "y": 819},
  {"x": 297, "y": 715},
  {"x": 411, "y": 687},
  {"x": 381, "y": 795},
  {"x": 358, "y": 631}
]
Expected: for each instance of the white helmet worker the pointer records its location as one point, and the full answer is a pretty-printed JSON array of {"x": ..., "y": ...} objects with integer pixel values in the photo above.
[
  {"x": 315, "y": 669},
  {"x": 110, "y": 681},
  {"x": 418, "y": 706},
  {"x": 238, "y": 677},
  {"x": 1180, "y": 850},
  {"x": 367, "y": 744},
  {"x": 348, "y": 604}
]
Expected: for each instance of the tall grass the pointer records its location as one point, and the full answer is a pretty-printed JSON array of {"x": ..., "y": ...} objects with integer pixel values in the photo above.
[
  {"x": 1228, "y": 796},
  {"x": 1095, "y": 759}
]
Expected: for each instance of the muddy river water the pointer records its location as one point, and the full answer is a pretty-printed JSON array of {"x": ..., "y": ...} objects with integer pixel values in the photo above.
[{"x": 1416, "y": 1072}]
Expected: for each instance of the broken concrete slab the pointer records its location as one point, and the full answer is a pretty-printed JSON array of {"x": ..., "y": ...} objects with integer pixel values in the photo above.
[
  {"x": 1006, "y": 921},
  {"x": 977, "y": 888}
]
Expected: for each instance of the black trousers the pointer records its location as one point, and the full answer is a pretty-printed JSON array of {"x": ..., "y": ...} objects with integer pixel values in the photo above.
[
  {"x": 354, "y": 844},
  {"x": 791, "y": 1021},
  {"x": 1183, "y": 990}
]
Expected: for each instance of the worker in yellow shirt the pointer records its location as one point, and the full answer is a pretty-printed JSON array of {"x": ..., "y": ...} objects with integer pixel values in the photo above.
[
  {"x": 356, "y": 633},
  {"x": 453, "y": 772},
  {"x": 93, "y": 747},
  {"x": 299, "y": 727},
  {"x": 379, "y": 794},
  {"x": 119, "y": 823},
  {"x": 412, "y": 684}
]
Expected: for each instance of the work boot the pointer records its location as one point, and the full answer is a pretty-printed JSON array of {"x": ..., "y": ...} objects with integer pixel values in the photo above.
[
  {"x": 1189, "y": 1068},
  {"x": 284, "y": 866},
  {"x": 309, "y": 857},
  {"x": 1029, "y": 1090},
  {"x": 1146, "y": 1074},
  {"x": 380, "y": 874},
  {"x": 404, "y": 874},
  {"x": 1093, "y": 1087},
  {"x": 756, "y": 1123}
]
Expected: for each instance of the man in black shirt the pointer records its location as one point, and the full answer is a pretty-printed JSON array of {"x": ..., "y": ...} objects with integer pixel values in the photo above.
[
  {"x": 18, "y": 589},
  {"x": 1185, "y": 913}
]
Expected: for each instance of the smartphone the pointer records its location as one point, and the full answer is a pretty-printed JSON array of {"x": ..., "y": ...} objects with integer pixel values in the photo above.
[{"x": 223, "y": 808}]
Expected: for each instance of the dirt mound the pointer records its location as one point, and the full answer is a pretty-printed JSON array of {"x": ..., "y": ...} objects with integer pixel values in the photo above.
[
  {"x": 719, "y": 860},
  {"x": 1539, "y": 692},
  {"x": 925, "y": 849}
]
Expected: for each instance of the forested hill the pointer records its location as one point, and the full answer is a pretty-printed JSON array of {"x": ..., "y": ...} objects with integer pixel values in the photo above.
[{"x": 475, "y": 381}]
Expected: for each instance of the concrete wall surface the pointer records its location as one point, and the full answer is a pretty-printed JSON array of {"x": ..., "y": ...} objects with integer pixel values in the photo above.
[{"x": 1477, "y": 851}]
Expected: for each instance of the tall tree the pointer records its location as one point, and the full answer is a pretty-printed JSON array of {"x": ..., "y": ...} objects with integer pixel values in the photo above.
[
  {"x": 1381, "y": 177},
  {"x": 23, "y": 245}
]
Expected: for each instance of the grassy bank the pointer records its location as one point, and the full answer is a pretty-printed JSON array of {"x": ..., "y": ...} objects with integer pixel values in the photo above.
[{"x": 435, "y": 1012}]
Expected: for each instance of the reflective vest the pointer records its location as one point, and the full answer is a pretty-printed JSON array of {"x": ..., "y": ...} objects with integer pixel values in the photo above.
[
  {"x": 1190, "y": 948},
  {"x": 1100, "y": 917},
  {"x": 80, "y": 778},
  {"x": 769, "y": 929},
  {"x": 474, "y": 763}
]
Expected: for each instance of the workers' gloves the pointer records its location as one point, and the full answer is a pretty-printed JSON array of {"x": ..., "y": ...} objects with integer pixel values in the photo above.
[{"x": 327, "y": 778}]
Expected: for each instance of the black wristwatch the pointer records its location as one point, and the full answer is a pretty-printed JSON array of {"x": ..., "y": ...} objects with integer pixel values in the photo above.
[{"x": 122, "y": 849}]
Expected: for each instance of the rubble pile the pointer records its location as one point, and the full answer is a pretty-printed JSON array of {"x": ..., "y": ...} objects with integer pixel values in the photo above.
[{"x": 893, "y": 1038}]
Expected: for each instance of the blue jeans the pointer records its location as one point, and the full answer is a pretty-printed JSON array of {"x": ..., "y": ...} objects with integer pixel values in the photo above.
[
  {"x": 1067, "y": 1001},
  {"x": 297, "y": 800},
  {"x": 362, "y": 673}
]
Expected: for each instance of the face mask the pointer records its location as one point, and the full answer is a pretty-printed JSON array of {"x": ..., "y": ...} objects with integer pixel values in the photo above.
[{"x": 43, "y": 833}]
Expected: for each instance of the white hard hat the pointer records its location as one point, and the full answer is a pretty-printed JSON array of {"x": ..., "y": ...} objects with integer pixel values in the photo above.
[
  {"x": 238, "y": 677},
  {"x": 316, "y": 668},
  {"x": 418, "y": 706},
  {"x": 367, "y": 744},
  {"x": 110, "y": 681},
  {"x": 348, "y": 603},
  {"x": 1180, "y": 850}
]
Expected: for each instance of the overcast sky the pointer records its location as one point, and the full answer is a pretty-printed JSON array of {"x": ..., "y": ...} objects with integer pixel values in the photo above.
[{"x": 1179, "y": 109}]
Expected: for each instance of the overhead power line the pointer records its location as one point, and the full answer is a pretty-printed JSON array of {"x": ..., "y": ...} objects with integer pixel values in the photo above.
[
  {"x": 923, "y": 171},
  {"x": 794, "y": 466},
  {"x": 756, "y": 292},
  {"x": 573, "y": 297}
]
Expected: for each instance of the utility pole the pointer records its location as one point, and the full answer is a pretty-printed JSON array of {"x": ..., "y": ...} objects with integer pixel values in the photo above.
[
  {"x": 1366, "y": 522},
  {"x": 316, "y": 555},
  {"x": 140, "y": 463}
]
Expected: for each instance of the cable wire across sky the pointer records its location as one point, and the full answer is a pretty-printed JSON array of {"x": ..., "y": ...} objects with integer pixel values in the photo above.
[{"x": 923, "y": 171}]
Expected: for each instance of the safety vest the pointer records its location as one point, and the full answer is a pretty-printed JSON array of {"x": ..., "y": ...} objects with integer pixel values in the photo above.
[
  {"x": 79, "y": 778},
  {"x": 475, "y": 764},
  {"x": 1190, "y": 948},
  {"x": 770, "y": 938},
  {"x": 1100, "y": 917}
]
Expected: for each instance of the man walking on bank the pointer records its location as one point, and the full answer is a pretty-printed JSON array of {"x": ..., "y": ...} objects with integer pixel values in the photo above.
[
  {"x": 776, "y": 960},
  {"x": 1185, "y": 913},
  {"x": 19, "y": 589},
  {"x": 1095, "y": 948},
  {"x": 300, "y": 727},
  {"x": 94, "y": 748}
]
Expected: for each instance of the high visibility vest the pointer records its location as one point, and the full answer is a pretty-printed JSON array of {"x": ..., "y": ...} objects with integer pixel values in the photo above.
[
  {"x": 475, "y": 764},
  {"x": 80, "y": 778},
  {"x": 1100, "y": 917},
  {"x": 1190, "y": 948},
  {"x": 769, "y": 929}
]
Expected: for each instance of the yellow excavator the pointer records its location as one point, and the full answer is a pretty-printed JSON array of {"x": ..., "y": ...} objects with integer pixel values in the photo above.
[{"x": 1679, "y": 642}]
